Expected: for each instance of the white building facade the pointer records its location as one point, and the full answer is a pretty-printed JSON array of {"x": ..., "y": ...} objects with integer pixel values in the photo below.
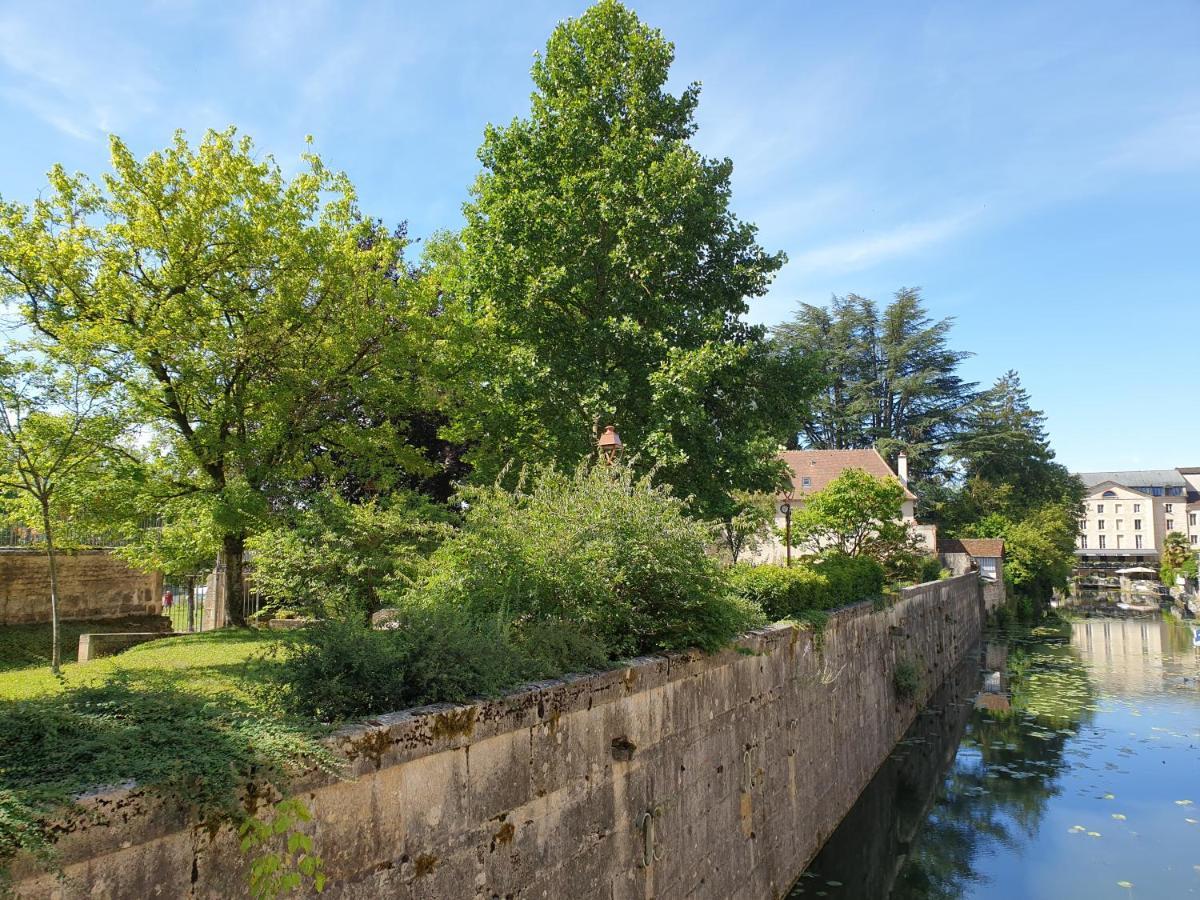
[{"x": 1128, "y": 514}]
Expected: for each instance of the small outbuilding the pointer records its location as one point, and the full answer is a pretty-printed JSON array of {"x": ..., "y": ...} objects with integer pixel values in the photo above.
[{"x": 984, "y": 555}]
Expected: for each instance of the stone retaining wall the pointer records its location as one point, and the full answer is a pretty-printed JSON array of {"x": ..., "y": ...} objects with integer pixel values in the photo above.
[
  {"x": 681, "y": 776},
  {"x": 92, "y": 584}
]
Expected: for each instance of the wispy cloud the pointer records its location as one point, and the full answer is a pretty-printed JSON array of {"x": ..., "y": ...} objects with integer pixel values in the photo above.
[
  {"x": 64, "y": 76},
  {"x": 881, "y": 246}
]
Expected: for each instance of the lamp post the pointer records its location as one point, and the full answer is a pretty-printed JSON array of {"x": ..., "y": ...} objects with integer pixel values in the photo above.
[
  {"x": 786, "y": 508},
  {"x": 609, "y": 444}
]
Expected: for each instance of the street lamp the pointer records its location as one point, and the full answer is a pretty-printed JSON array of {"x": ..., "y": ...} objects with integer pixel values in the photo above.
[
  {"x": 786, "y": 508},
  {"x": 609, "y": 443}
]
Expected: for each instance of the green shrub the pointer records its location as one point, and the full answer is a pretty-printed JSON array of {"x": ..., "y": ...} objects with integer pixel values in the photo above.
[
  {"x": 336, "y": 559},
  {"x": 851, "y": 579},
  {"x": 930, "y": 569},
  {"x": 343, "y": 670},
  {"x": 906, "y": 679},
  {"x": 606, "y": 551},
  {"x": 782, "y": 593}
]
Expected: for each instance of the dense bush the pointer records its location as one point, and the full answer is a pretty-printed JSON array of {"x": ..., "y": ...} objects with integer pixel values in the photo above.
[
  {"x": 851, "y": 578},
  {"x": 787, "y": 592},
  {"x": 823, "y": 585},
  {"x": 782, "y": 593},
  {"x": 606, "y": 553},
  {"x": 335, "y": 559},
  {"x": 930, "y": 569},
  {"x": 341, "y": 670}
]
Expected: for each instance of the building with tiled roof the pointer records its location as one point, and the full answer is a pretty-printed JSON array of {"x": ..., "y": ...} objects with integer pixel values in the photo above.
[{"x": 813, "y": 470}]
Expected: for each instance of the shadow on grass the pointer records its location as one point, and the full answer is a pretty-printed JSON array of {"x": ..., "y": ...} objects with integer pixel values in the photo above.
[
  {"x": 22, "y": 646},
  {"x": 197, "y": 749}
]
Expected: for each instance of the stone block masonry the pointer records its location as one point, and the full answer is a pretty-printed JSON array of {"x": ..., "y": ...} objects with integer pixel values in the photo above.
[
  {"x": 92, "y": 584},
  {"x": 682, "y": 776}
]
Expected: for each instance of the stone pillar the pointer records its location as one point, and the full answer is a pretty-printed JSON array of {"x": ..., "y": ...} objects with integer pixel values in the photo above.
[{"x": 216, "y": 605}]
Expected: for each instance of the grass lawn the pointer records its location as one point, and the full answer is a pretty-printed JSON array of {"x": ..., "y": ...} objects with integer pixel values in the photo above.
[{"x": 226, "y": 661}]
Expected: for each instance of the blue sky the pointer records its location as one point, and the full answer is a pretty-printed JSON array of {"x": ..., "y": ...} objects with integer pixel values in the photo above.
[{"x": 1033, "y": 166}]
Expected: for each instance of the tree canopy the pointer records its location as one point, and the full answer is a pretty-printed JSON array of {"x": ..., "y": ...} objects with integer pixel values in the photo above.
[
  {"x": 251, "y": 319},
  {"x": 604, "y": 279},
  {"x": 892, "y": 380}
]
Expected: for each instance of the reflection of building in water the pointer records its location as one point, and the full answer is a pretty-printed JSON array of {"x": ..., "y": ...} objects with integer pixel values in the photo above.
[{"x": 1130, "y": 654}]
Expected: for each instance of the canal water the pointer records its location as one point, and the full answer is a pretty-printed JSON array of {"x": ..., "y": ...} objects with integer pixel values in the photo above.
[{"x": 1058, "y": 762}]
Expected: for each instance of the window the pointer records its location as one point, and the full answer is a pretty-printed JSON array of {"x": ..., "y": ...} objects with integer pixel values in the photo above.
[
  {"x": 1100, "y": 508},
  {"x": 1175, "y": 491},
  {"x": 1168, "y": 507},
  {"x": 1137, "y": 507},
  {"x": 1101, "y": 542},
  {"x": 1170, "y": 524},
  {"x": 1099, "y": 524},
  {"x": 1118, "y": 542},
  {"x": 1137, "y": 524},
  {"x": 1117, "y": 507},
  {"x": 1195, "y": 538},
  {"x": 1083, "y": 542},
  {"x": 1109, "y": 494},
  {"x": 1191, "y": 519},
  {"x": 1083, "y": 524},
  {"x": 1154, "y": 491},
  {"x": 987, "y": 567},
  {"x": 806, "y": 482},
  {"x": 1137, "y": 541},
  {"x": 1120, "y": 526}
]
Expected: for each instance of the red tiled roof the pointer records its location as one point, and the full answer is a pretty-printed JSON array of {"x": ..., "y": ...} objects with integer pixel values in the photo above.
[
  {"x": 976, "y": 547},
  {"x": 822, "y": 466}
]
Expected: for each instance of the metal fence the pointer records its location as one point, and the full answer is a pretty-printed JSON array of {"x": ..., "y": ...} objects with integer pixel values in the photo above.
[{"x": 185, "y": 617}]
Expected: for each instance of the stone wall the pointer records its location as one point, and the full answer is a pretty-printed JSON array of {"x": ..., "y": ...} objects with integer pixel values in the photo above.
[
  {"x": 92, "y": 584},
  {"x": 994, "y": 592},
  {"x": 680, "y": 776}
]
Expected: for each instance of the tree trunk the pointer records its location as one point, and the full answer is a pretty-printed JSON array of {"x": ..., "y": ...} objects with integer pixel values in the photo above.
[
  {"x": 229, "y": 562},
  {"x": 191, "y": 602},
  {"x": 55, "y": 651}
]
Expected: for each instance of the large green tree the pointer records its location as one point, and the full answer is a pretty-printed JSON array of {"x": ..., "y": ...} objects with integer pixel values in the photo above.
[
  {"x": 254, "y": 320},
  {"x": 602, "y": 279},
  {"x": 892, "y": 381}
]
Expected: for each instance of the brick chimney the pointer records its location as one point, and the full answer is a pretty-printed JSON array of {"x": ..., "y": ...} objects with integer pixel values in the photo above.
[{"x": 902, "y": 467}]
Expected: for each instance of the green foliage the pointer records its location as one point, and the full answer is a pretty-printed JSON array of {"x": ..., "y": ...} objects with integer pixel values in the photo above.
[
  {"x": 342, "y": 670},
  {"x": 255, "y": 323},
  {"x": 906, "y": 679},
  {"x": 1039, "y": 548},
  {"x": 858, "y": 514},
  {"x": 196, "y": 750},
  {"x": 782, "y": 593},
  {"x": 791, "y": 592},
  {"x": 57, "y": 434},
  {"x": 892, "y": 382},
  {"x": 930, "y": 569},
  {"x": 748, "y": 522},
  {"x": 276, "y": 872},
  {"x": 602, "y": 278},
  {"x": 1178, "y": 558},
  {"x": 335, "y": 558},
  {"x": 601, "y": 549},
  {"x": 851, "y": 578}
]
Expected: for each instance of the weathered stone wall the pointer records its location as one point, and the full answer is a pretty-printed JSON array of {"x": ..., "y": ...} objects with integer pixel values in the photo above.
[
  {"x": 680, "y": 776},
  {"x": 994, "y": 592},
  {"x": 92, "y": 584}
]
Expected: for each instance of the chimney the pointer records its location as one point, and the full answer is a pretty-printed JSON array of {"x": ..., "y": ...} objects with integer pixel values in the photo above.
[{"x": 902, "y": 467}]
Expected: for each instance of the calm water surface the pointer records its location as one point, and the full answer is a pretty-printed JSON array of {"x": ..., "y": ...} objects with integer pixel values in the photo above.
[{"x": 1069, "y": 767}]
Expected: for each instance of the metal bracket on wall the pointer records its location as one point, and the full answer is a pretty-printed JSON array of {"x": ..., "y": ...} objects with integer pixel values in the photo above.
[{"x": 650, "y": 855}]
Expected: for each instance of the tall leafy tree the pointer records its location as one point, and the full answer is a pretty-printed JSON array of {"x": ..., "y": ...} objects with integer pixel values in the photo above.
[
  {"x": 603, "y": 279},
  {"x": 253, "y": 320},
  {"x": 57, "y": 431},
  {"x": 893, "y": 380}
]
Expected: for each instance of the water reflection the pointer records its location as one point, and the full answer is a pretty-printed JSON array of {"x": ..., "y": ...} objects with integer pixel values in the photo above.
[{"x": 1063, "y": 770}]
